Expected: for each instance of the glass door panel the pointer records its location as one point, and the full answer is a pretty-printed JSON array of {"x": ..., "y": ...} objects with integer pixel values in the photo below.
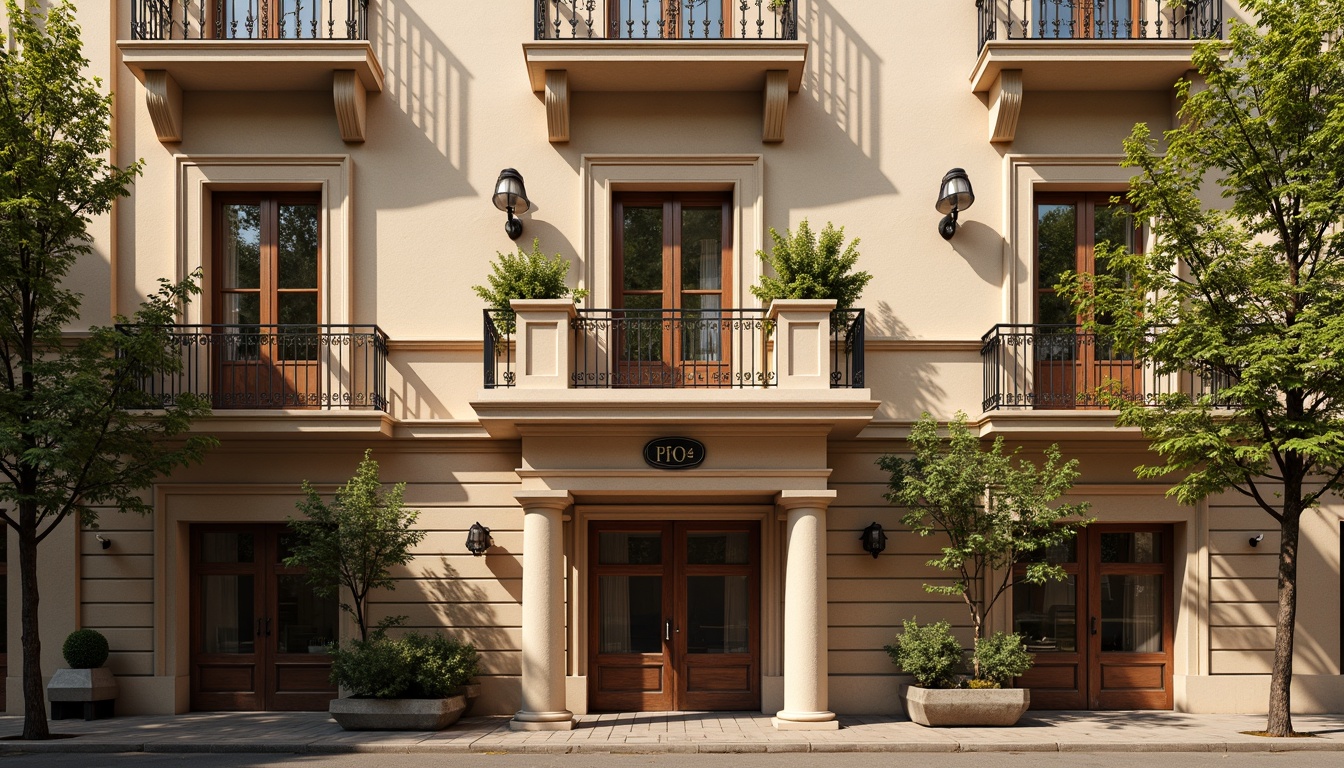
[
  {"x": 631, "y": 614},
  {"x": 717, "y": 618},
  {"x": 227, "y": 614}
]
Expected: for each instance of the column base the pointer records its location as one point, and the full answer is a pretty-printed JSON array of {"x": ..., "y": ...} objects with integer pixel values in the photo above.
[
  {"x": 805, "y": 721},
  {"x": 542, "y": 721}
]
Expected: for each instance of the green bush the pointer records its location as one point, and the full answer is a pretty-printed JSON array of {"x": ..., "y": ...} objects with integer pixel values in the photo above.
[
  {"x": 415, "y": 666},
  {"x": 1001, "y": 657},
  {"x": 85, "y": 649},
  {"x": 929, "y": 653},
  {"x": 526, "y": 276},
  {"x": 808, "y": 268}
]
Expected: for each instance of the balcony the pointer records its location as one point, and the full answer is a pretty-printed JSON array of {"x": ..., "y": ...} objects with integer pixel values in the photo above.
[
  {"x": 1083, "y": 45},
  {"x": 261, "y": 45},
  {"x": 796, "y": 363},
  {"x": 1063, "y": 368},
  {"x": 301, "y": 370},
  {"x": 665, "y": 45}
]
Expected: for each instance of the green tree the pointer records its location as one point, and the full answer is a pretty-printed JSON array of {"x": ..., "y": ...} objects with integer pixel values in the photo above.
[
  {"x": 1249, "y": 294},
  {"x": 354, "y": 541},
  {"x": 994, "y": 513},
  {"x": 808, "y": 267},
  {"x": 77, "y": 432}
]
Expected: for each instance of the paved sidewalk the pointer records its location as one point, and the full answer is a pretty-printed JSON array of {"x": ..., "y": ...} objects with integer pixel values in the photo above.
[{"x": 315, "y": 732}]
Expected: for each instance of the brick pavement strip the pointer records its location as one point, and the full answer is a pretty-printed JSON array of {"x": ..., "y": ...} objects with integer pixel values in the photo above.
[{"x": 681, "y": 732}]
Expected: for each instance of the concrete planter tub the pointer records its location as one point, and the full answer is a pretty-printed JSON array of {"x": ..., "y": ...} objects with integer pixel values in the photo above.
[
  {"x": 937, "y": 707},
  {"x": 397, "y": 714}
]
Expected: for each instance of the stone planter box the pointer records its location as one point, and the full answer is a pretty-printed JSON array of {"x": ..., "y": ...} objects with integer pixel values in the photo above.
[
  {"x": 965, "y": 706},
  {"x": 87, "y": 693},
  {"x": 397, "y": 714}
]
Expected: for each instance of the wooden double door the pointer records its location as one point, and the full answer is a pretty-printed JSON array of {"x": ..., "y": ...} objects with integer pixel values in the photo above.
[
  {"x": 675, "y": 616},
  {"x": 1102, "y": 638},
  {"x": 258, "y": 630}
]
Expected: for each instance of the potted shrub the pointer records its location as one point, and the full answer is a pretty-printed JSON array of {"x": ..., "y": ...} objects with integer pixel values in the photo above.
[
  {"x": 808, "y": 267},
  {"x": 996, "y": 511},
  {"x": 525, "y": 276},
  {"x": 416, "y": 682},
  {"x": 87, "y": 688}
]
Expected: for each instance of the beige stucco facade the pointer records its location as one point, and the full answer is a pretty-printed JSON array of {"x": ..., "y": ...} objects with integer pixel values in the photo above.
[{"x": 401, "y": 138}]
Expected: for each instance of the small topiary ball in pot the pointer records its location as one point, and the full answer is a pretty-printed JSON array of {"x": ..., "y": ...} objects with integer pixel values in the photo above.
[{"x": 85, "y": 649}]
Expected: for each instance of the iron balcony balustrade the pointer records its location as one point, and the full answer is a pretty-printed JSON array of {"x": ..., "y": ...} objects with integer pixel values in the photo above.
[
  {"x": 1098, "y": 20},
  {"x": 675, "y": 348},
  {"x": 250, "y": 19},
  {"x": 666, "y": 20},
  {"x": 318, "y": 367},
  {"x": 1061, "y": 367}
]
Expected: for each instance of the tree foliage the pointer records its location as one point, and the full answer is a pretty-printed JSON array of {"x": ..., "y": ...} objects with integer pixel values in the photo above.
[
  {"x": 354, "y": 541},
  {"x": 808, "y": 267},
  {"x": 995, "y": 510},
  {"x": 77, "y": 431},
  {"x": 1248, "y": 293}
]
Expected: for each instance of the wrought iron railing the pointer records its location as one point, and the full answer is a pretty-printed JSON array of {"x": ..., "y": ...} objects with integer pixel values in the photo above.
[
  {"x": 666, "y": 19},
  {"x": 250, "y": 19},
  {"x": 1060, "y": 367},
  {"x": 1098, "y": 20},
  {"x": 675, "y": 349},
  {"x": 326, "y": 367}
]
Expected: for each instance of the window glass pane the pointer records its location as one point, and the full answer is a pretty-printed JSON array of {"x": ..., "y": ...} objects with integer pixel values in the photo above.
[
  {"x": 241, "y": 314},
  {"x": 1131, "y": 613},
  {"x": 643, "y": 248},
  {"x": 223, "y": 547},
  {"x": 1054, "y": 19},
  {"x": 1109, "y": 19},
  {"x": 298, "y": 335},
  {"x": 717, "y": 614},
  {"x": 226, "y": 614},
  {"x": 631, "y": 614},
  {"x": 305, "y": 621},
  {"x": 1046, "y": 615},
  {"x": 701, "y": 330},
  {"x": 297, "y": 246},
  {"x": 641, "y": 332},
  {"x": 241, "y": 245},
  {"x": 728, "y": 548},
  {"x": 640, "y": 548},
  {"x": 1113, "y": 224},
  {"x": 242, "y": 308},
  {"x": 1057, "y": 243},
  {"x": 701, "y": 250},
  {"x": 1131, "y": 547},
  {"x": 701, "y": 18}
]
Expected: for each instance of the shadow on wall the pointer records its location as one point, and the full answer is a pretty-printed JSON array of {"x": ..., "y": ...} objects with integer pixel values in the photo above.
[
  {"x": 914, "y": 378},
  {"x": 430, "y": 86}
]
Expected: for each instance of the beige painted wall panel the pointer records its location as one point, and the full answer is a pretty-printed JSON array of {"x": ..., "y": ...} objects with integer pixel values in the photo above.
[
  {"x": 501, "y": 662},
  {"x": 869, "y": 495},
  {"x": 1243, "y": 590},
  {"x": 485, "y": 590},
  {"x": 1241, "y": 662},
  {"x": 1241, "y": 638},
  {"x": 478, "y": 615},
  {"x": 860, "y": 662},
  {"x": 1241, "y": 518},
  {"x": 1243, "y": 614},
  {"x": 862, "y": 566},
  {"x": 123, "y": 542},
  {"x": 1238, "y": 543},
  {"x": 100, "y": 615},
  {"x": 124, "y": 639},
  {"x": 131, "y": 663},
  {"x": 889, "y": 616},
  {"x": 454, "y": 542},
  {"x": 1244, "y": 566},
  {"x": 900, "y": 590},
  {"x": 117, "y": 590},
  {"x": 846, "y": 542},
  {"x": 105, "y": 565}
]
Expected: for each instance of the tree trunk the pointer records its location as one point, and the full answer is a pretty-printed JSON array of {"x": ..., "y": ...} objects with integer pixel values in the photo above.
[
  {"x": 34, "y": 696},
  {"x": 1280, "y": 685}
]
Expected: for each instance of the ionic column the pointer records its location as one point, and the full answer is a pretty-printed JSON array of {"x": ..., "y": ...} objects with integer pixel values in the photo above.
[
  {"x": 543, "y": 613},
  {"x": 805, "y": 668}
]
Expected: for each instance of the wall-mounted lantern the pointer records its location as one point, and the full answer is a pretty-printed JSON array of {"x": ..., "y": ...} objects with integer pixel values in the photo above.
[
  {"x": 954, "y": 195},
  {"x": 1256, "y": 539},
  {"x": 874, "y": 539},
  {"x": 478, "y": 539},
  {"x": 103, "y": 541},
  {"x": 511, "y": 198}
]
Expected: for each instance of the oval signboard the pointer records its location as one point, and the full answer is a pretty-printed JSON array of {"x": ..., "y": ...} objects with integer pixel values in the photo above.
[{"x": 674, "y": 453}]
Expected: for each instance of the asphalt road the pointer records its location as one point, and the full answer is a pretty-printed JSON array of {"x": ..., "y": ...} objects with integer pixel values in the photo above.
[{"x": 781, "y": 760}]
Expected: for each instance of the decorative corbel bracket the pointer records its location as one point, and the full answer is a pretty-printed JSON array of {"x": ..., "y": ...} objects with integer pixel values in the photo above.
[
  {"x": 1005, "y": 105},
  {"x": 776, "y": 104},
  {"x": 557, "y": 105},
  {"x": 163, "y": 97},
  {"x": 351, "y": 101}
]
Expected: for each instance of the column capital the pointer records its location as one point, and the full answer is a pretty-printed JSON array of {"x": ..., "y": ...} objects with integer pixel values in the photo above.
[
  {"x": 544, "y": 499},
  {"x": 795, "y": 499}
]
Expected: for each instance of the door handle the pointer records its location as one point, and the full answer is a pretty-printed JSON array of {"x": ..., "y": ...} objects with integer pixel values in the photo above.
[
  {"x": 258, "y": 627},
  {"x": 1094, "y": 625},
  {"x": 268, "y": 626},
  {"x": 667, "y": 630}
]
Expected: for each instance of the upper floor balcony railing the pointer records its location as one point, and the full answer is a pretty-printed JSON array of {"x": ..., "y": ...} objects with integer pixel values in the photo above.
[
  {"x": 300, "y": 367},
  {"x": 676, "y": 349},
  {"x": 666, "y": 19},
  {"x": 250, "y": 20},
  {"x": 1061, "y": 367},
  {"x": 1098, "y": 20}
]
